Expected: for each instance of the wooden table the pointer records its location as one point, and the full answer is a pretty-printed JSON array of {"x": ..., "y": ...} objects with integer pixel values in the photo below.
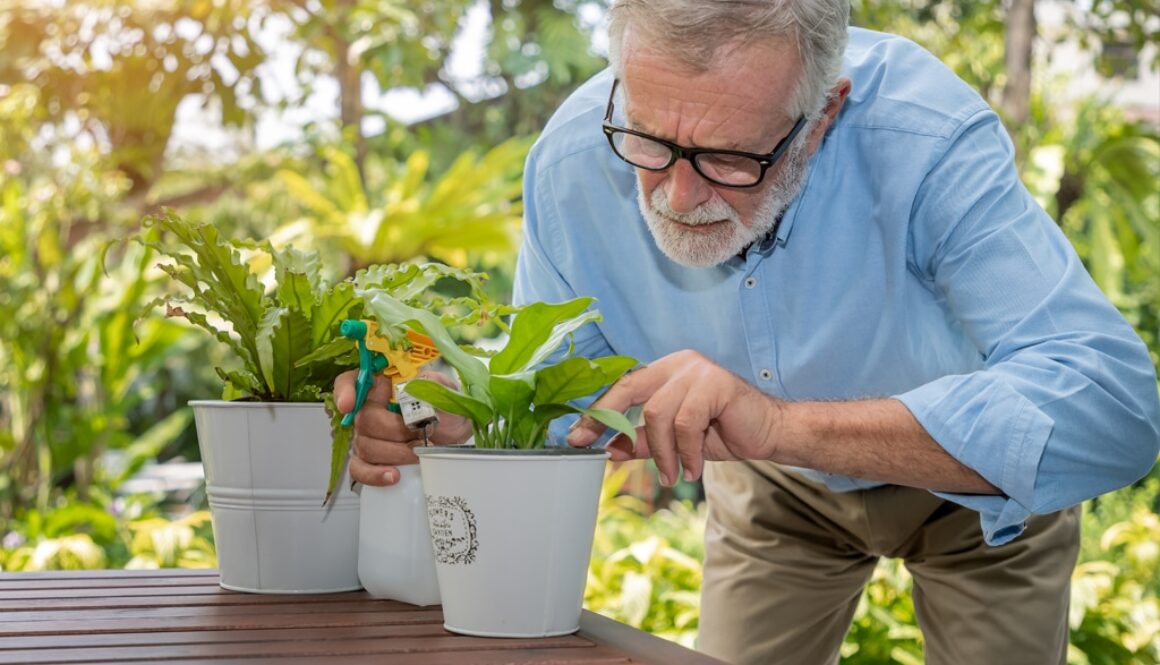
[{"x": 119, "y": 616}]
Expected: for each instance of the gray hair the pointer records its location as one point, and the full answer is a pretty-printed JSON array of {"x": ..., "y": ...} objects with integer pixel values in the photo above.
[{"x": 696, "y": 32}]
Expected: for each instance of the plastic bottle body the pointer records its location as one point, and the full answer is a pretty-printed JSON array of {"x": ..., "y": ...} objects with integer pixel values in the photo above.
[{"x": 395, "y": 559}]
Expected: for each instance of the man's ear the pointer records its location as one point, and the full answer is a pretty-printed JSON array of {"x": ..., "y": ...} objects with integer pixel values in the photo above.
[{"x": 835, "y": 99}]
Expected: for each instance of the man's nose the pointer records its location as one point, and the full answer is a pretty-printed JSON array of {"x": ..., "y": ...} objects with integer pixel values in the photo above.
[{"x": 685, "y": 188}]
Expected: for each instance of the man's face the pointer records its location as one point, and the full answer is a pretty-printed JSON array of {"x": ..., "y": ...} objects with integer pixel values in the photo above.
[{"x": 739, "y": 104}]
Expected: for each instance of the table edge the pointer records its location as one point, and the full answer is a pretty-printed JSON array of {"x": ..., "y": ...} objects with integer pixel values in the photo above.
[{"x": 637, "y": 643}]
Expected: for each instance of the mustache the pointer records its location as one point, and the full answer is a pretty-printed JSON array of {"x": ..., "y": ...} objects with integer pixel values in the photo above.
[{"x": 709, "y": 212}]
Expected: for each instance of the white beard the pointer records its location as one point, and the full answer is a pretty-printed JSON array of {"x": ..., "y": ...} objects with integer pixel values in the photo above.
[{"x": 703, "y": 248}]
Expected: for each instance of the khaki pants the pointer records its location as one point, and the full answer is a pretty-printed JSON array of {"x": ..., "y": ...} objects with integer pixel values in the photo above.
[{"x": 786, "y": 560}]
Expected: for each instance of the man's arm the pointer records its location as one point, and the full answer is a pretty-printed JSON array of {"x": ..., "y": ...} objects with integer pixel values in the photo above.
[
  {"x": 873, "y": 439},
  {"x": 694, "y": 410}
]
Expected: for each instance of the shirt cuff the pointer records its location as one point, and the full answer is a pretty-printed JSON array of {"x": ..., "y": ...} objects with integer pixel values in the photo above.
[{"x": 988, "y": 426}]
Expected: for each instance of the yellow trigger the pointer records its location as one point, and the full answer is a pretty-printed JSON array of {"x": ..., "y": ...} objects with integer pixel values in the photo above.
[{"x": 404, "y": 363}]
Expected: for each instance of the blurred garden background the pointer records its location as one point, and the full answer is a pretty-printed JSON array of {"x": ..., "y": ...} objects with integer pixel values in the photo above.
[{"x": 378, "y": 131}]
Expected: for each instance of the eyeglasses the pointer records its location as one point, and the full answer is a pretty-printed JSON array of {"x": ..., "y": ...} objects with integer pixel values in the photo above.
[{"x": 728, "y": 168}]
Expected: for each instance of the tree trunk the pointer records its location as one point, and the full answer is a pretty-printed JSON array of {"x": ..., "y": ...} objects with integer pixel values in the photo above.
[
  {"x": 349, "y": 75},
  {"x": 1021, "y": 29}
]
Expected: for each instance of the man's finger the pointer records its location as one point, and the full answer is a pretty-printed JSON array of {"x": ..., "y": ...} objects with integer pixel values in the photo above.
[
  {"x": 622, "y": 449},
  {"x": 372, "y": 474},
  {"x": 391, "y": 453},
  {"x": 630, "y": 390},
  {"x": 346, "y": 391},
  {"x": 377, "y": 422},
  {"x": 689, "y": 427},
  {"x": 660, "y": 420}
]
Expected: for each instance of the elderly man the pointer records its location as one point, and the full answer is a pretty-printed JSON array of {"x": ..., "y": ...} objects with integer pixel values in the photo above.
[{"x": 817, "y": 240}]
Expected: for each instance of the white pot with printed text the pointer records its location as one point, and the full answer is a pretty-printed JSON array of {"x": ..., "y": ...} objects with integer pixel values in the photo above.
[
  {"x": 266, "y": 471},
  {"x": 512, "y": 535}
]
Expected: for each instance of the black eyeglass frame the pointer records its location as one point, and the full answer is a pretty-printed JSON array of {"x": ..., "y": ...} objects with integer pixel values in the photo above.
[{"x": 765, "y": 161}]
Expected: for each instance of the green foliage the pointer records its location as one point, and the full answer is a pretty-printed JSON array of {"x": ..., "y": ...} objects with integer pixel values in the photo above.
[
  {"x": 107, "y": 533},
  {"x": 183, "y": 543},
  {"x": 1101, "y": 174},
  {"x": 512, "y": 400},
  {"x": 1108, "y": 22},
  {"x": 284, "y": 336},
  {"x": 470, "y": 211},
  {"x": 74, "y": 371},
  {"x": 646, "y": 569},
  {"x": 967, "y": 36},
  {"x": 122, "y": 68},
  {"x": 884, "y": 629},
  {"x": 1115, "y": 600}
]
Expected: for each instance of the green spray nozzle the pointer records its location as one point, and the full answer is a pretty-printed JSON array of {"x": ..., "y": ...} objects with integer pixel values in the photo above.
[{"x": 369, "y": 364}]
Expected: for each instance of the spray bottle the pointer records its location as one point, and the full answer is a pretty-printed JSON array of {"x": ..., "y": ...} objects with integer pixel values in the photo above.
[{"x": 395, "y": 559}]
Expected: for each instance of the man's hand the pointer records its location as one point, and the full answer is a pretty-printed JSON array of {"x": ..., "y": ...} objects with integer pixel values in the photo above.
[
  {"x": 381, "y": 441},
  {"x": 694, "y": 410}
]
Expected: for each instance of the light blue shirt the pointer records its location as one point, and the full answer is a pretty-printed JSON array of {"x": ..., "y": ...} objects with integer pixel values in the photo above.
[{"x": 914, "y": 264}]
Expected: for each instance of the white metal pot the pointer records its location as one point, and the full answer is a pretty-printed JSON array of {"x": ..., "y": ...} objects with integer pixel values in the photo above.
[
  {"x": 266, "y": 471},
  {"x": 395, "y": 560},
  {"x": 512, "y": 534}
]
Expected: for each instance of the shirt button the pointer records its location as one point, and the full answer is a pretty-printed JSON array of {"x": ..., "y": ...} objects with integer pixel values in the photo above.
[
  {"x": 765, "y": 375},
  {"x": 750, "y": 282}
]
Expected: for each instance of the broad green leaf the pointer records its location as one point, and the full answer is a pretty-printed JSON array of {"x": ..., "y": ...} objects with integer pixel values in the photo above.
[
  {"x": 532, "y": 329},
  {"x": 339, "y": 445},
  {"x": 614, "y": 419},
  {"x": 392, "y": 313},
  {"x": 579, "y": 377},
  {"x": 239, "y": 384},
  {"x": 511, "y": 395},
  {"x": 544, "y": 414},
  {"x": 329, "y": 311},
  {"x": 297, "y": 276},
  {"x": 220, "y": 281},
  {"x": 445, "y": 399},
  {"x": 512, "y": 399},
  {"x": 335, "y": 348},
  {"x": 561, "y": 332},
  {"x": 615, "y": 367},
  {"x": 283, "y": 337},
  {"x": 266, "y": 344}
]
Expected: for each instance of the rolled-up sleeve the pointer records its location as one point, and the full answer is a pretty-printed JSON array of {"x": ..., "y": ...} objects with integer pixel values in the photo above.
[{"x": 1065, "y": 406}]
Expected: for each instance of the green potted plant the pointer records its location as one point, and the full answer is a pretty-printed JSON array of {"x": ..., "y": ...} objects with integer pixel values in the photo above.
[
  {"x": 268, "y": 446},
  {"x": 512, "y": 519}
]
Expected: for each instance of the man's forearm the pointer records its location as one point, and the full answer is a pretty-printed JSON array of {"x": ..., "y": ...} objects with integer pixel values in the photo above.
[{"x": 872, "y": 439}]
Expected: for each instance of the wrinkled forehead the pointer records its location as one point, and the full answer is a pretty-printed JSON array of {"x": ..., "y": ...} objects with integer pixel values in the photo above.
[{"x": 742, "y": 96}]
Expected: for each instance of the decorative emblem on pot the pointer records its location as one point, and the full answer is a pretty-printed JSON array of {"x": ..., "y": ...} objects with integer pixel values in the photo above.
[{"x": 453, "y": 531}]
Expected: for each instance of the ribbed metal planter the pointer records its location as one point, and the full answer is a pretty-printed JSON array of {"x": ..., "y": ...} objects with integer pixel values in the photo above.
[{"x": 266, "y": 471}]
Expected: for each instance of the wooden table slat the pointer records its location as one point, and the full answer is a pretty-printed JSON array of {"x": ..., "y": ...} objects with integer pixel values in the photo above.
[
  {"x": 208, "y": 597},
  {"x": 169, "y": 617},
  {"x": 119, "y": 575},
  {"x": 7, "y": 595},
  {"x": 319, "y": 648},
  {"x": 596, "y": 655},
  {"x": 108, "y": 583},
  {"x": 221, "y": 622},
  {"x": 58, "y": 641},
  {"x": 130, "y": 614}
]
